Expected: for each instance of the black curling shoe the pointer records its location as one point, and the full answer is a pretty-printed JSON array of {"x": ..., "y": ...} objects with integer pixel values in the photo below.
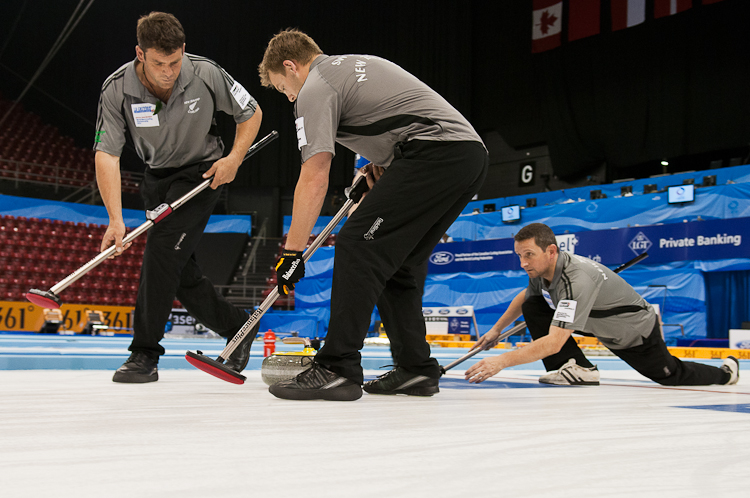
[
  {"x": 238, "y": 359},
  {"x": 399, "y": 381},
  {"x": 139, "y": 369},
  {"x": 317, "y": 382}
]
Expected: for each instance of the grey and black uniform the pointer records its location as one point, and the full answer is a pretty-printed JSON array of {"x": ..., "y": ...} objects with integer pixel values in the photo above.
[
  {"x": 593, "y": 300},
  {"x": 435, "y": 163},
  {"x": 177, "y": 144}
]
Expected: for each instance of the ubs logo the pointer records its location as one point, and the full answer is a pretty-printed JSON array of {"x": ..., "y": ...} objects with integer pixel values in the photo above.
[
  {"x": 441, "y": 258},
  {"x": 639, "y": 244}
]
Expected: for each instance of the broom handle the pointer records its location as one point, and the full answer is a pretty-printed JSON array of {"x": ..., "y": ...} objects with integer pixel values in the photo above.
[{"x": 99, "y": 258}]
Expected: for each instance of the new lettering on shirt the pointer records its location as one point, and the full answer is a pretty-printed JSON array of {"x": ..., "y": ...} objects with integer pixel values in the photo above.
[
  {"x": 143, "y": 115},
  {"x": 359, "y": 69},
  {"x": 592, "y": 263}
]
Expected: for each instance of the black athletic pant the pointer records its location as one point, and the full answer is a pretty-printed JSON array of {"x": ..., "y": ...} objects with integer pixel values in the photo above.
[
  {"x": 387, "y": 306},
  {"x": 651, "y": 359},
  {"x": 169, "y": 267},
  {"x": 390, "y": 234}
]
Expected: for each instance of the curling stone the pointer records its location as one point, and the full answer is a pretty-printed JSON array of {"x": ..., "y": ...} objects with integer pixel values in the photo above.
[{"x": 286, "y": 365}]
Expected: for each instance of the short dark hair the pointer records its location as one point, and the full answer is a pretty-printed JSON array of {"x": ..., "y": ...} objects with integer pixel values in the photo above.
[
  {"x": 289, "y": 44},
  {"x": 542, "y": 234},
  {"x": 160, "y": 31}
]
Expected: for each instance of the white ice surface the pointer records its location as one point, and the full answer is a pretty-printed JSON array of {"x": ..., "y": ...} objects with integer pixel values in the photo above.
[{"x": 76, "y": 434}]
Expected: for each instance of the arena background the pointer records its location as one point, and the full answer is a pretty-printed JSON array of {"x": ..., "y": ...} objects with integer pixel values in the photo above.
[{"x": 608, "y": 106}]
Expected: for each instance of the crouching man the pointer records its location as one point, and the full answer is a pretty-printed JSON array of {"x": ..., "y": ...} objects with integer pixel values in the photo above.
[{"x": 569, "y": 293}]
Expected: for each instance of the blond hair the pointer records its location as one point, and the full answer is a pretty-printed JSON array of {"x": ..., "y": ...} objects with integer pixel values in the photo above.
[{"x": 289, "y": 44}]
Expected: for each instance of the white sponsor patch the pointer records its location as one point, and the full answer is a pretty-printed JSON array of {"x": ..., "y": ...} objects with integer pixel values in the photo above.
[
  {"x": 240, "y": 94},
  {"x": 301, "y": 137},
  {"x": 566, "y": 311},
  {"x": 143, "y": 115}
]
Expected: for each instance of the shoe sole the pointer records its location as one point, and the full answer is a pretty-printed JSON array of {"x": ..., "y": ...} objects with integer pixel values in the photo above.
[
  {"x": 134, "y": 378},
  {"x": 411, "y": 391},
  {"x": 342, "y": 393},
  {"x": 732, "y": 381},
  {"x": 591, "y": 383}
]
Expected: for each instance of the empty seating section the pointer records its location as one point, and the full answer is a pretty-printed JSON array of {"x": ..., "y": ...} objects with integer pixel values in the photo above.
[
  {"x": 31, "y": 151},
  {"x": 38, "y": 253}
]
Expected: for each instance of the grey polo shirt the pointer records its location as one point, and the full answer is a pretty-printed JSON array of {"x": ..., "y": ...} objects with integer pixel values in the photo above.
[
  {"x": 583, "y": 293},
  {"x": 369, "y": 104},
  {"x": 180, "y": 133}
]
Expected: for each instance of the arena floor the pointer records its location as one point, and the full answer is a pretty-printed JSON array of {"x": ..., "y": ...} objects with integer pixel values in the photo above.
[{"x": 72, "y": 432}]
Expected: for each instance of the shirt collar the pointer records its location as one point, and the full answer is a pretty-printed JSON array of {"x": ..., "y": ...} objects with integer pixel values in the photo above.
[
  {"x": 562, "y": 259},
  {"x": 133, "y": 85},
  {"x": 318, "y": 60}
]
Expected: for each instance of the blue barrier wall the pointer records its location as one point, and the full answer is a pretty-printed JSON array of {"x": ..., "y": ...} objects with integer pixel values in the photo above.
[
  {"x": 86, "y": 213},
  {"x": 708, "y": 241}
]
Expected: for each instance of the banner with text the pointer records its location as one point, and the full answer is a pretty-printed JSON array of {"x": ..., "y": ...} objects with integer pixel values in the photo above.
[
  {"x": 27, "y": 317},
  {"x": 448, "y": 319},
  {"x": 697, "y": 240}
]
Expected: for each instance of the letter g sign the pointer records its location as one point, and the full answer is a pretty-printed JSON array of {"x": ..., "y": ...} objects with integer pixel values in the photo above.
[{"x": 528, "y": 174}]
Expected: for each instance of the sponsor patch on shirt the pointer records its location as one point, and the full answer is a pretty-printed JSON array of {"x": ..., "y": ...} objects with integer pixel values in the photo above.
[
  {"x": 240, "y": 94},
  {"x": 143, "y": 115},
  {"x": 301, "y": 137},
  {"x": 566, "y": 311},
  {"x": 548, "y": 298},
  {"x": 193, "y": 105}
]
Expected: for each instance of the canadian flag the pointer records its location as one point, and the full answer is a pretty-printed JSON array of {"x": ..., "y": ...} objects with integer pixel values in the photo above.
[
  {"x": 627, "y": 13},
  {"x": 663, "y": 8},
  {"x": 546, "y": 31}
]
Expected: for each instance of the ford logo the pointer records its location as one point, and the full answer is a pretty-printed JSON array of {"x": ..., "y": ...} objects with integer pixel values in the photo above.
[
  {"x": 461, "y": 311},
  {"x": 444, "y": 311},
  {"x": 426, "y": 312},
  {"x": 743, "y": 345},
  {"x": 441, "y": 258}
]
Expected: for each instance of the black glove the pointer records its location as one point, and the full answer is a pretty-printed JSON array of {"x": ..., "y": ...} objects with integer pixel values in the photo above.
[{"x": 290, "y": 268}]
